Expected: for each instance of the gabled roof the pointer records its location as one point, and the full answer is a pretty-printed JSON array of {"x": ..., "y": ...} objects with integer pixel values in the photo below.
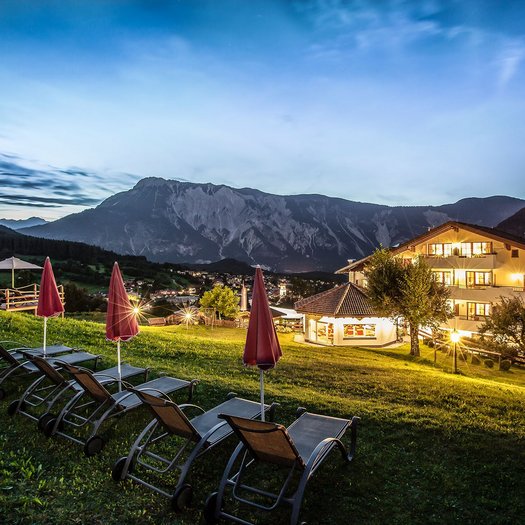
[
  {"x": 354, "y": 266},
  {"x": 493, "y": 233},
  {"x": 346, "y": 300}
]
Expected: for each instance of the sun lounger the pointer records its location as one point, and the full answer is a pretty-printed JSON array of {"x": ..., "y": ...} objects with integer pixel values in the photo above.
[
  {"x": 94, "y": 405},
  {"x": 301, "y": 448},
  {"x": 21, "y": 366},
  {"x": 17, "y": 350},
  {"x": 52, "y": 388},
  {"x": 200, "y": 434}
]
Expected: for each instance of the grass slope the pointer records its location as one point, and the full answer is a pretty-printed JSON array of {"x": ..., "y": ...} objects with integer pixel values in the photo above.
[{"x": 433, "y": 447}]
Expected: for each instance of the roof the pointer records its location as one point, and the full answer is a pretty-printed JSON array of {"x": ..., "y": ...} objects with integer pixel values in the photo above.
[
  {"x": 285, "y": 313},
  {"x": 346, "y": 300},
  {"x": 493, "y": 233},
  {"x": 354, "y": 266}
]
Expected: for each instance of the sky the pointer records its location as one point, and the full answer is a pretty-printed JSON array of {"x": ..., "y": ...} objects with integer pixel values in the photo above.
[{"x": 389, "y": 102}]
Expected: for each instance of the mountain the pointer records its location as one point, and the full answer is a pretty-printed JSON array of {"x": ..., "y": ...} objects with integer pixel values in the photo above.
[
  {"x": 17, "y": 224},
  {"x": 183, "y": 222},
  {"x": 514, "y": 224}
]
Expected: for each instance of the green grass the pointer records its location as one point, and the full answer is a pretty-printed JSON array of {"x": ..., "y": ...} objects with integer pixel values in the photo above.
[{"x": 433, "y": 447}]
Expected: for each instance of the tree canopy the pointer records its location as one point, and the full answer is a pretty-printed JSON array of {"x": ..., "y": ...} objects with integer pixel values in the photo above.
[
  {"x": 223, "y": 299},
  {"x": 406, "y": 290},
  {"x": 506, "y": 326}
]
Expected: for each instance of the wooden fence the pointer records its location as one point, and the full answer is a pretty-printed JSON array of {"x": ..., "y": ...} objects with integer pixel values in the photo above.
[{"x": 24, "y": 298}]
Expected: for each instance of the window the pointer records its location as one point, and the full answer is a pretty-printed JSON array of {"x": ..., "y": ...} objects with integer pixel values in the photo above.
[
  {"x": 515, "y": 254},
  {"x": 440, "y": 249},
  {"x": 443, "y": 277},
  {"x": 477, "y": 310},
  {"x": 352, "y": 331},
  {"x": 475, "y": 249},
  {"x": 325, "y": 332},
  {"x": 479, "y": 279}
]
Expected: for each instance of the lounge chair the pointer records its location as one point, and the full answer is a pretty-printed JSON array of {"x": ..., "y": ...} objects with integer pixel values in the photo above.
[
  {"x": 53, "y": 388},
  {"x": 16, "y": 350},
  {"x": 94, "y": 405},
  {"x": 17, "y": 364},
  {"x": 300, "y": 448},
  {"x": 200, "y": 434}
]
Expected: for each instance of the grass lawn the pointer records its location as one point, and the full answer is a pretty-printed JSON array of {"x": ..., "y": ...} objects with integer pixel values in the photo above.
[{"x": 433, "y": 447}]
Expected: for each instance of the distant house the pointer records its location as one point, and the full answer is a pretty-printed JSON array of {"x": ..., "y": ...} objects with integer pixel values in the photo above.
[
  {"x": 478, "y": 264},
  {"x": 344, "y": 316}
]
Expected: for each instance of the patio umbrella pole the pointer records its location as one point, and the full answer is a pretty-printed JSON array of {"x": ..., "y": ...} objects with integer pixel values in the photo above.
[
  {"x": 118, "y": 367},
  {"x": 261, "y": 379},
  {"x": 45, "y": 335},
  {"x": 13, "y": 277}
]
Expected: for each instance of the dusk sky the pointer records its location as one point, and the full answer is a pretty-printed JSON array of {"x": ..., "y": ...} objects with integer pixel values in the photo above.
[{"x": 396, "y": 102}]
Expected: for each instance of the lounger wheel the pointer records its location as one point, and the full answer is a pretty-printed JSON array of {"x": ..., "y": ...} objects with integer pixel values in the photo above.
[
  {"x": 12, "y": 408},
  {"x": 93, "y": 446},
  {"x": 118, "y": 467},
  {"x": 43, "y": 419},
  {"x": 47, "y": 429},
  {"x": 2, "y": 393},
  {"x": 209, "y": 509},
  {"x": 182, "y": 497}
]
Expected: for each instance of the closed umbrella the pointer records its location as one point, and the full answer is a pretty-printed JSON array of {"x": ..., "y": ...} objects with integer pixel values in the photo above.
[
  {"x": 262, "y": 347},
  {"x": 49, "y": 301},
  {"x": 14, "y": 263},
  {"x": 121, "y": 320}
]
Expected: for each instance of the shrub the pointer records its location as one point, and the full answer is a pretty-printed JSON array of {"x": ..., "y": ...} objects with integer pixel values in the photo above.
[
  {"x": 489, "y": 363},
  {"x": 462, "y": 356},
  {"x": 505, "y": 365},
  {"x": 475, "y": 360}
]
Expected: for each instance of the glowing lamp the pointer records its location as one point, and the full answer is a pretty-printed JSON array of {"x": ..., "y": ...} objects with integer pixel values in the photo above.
[
  {"x": 454, "y": 337},
  {"x": 136, "y": 310},
  {"x": 516, "y": 276}
]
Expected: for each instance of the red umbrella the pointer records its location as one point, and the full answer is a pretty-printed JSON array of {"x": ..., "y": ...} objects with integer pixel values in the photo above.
[
  {"x": 262, "y": 347},
  {"x": 121, "y": 320},
  {"x": 49, "y": 301}
]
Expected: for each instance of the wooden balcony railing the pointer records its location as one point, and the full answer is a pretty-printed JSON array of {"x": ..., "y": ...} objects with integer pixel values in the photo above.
[{"x": 24, "y": 298}]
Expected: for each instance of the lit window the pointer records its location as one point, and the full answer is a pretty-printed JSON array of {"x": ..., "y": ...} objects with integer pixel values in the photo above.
[
  {"x": 443, "y": 277},
  {"x": 440, "y": 249},
  {"x": 476, "y": 310},
  {"x": 352, "y": 331},
  {"x": 479, "y": 279},
  {"x": 475, "y": 249}
]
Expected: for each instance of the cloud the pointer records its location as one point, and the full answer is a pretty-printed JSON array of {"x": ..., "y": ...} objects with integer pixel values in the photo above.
[
  {"x": 47, "y": 187},
  {"x": 511, "y": 57}
]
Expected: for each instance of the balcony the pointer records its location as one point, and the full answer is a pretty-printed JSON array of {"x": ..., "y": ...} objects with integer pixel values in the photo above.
[
  {"x": 458, "y": 262},
  {"x": 483, "y": 294}
]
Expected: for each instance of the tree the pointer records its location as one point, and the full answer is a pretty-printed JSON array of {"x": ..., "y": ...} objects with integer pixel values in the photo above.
[
  {"x": 222, "y": 299},
  {"x": 79, "y": 300},
  {"x": 506, "y": 326},
  {"x": 407, "y": 291}
]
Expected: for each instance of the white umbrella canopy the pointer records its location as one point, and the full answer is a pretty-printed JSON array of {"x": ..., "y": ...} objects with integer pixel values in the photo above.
[{"x": 14, "y": 263}]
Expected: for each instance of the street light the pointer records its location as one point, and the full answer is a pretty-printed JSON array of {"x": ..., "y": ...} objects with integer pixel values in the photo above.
[{"x": 455, "y": 337}]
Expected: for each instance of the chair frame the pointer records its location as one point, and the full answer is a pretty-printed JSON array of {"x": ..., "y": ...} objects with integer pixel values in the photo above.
[
  {"x": 140, "y": 450},
  {"x": 38, "y": 393},
  {"x": 109, "y": 409},
  {"x": 305, "y": 466},
  {"x": 22, "y": 367}
]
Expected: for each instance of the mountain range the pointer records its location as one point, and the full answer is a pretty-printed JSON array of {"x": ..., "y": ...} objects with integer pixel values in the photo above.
[
  {"x": 17, "y": 224},
  {"x": 184, "y": 222}
]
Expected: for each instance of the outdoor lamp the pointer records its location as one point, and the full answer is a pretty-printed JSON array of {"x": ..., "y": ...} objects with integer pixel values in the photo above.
[{"x": 454, "y": 337}]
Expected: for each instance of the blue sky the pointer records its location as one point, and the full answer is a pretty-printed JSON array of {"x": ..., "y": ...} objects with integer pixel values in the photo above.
[{"x": 390, "y": 102}]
